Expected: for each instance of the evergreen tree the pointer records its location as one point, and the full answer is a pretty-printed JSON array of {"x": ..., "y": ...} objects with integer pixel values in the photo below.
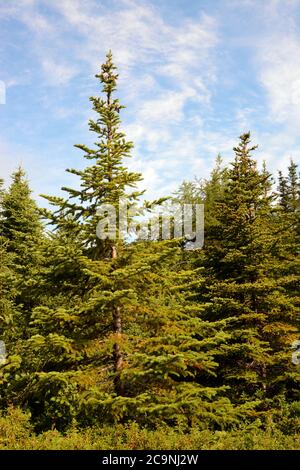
[
  {"x": 114, "y": 341},
  {"x": 22, "y": 232},
  {"x": 256, "y": 361},
  {"x": 6, "y": 278},
  {"x": 107, "y": 181},
  {"x": 287, "y": 247},
  {"x": 99, "y": 328},
  {"x": 204, "y": 191},
  {"x": 89, "y": 314},
  {"x": 21, "y": 241},
  {"x": 213, "y": 190}
]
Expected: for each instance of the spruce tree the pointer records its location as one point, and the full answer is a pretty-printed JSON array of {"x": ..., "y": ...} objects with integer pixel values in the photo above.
[
  {"x": 107, "y": 181},
  {"x": 22, "y": 233},
  {"x": 6, "y": 283},
  {"x": 287, "y": 247},
  {"x": 21, "y": 256},
  {"x": 213, "y": 191},
  {"x": 105, "y": 290},
  {"x": 262, "y": 321},
  {"x": 113, "y": 340}
]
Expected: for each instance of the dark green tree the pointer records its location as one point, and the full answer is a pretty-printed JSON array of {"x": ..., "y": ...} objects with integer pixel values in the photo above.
[
  {"x": 256, "y": 361},
  {"x": 22, "y": 232},
  {"x": 113, "y": 340},
  {"x": 105, "y": 182},
  {"x": 21, "y": 257},
  {"x": 287, "y": 247}
]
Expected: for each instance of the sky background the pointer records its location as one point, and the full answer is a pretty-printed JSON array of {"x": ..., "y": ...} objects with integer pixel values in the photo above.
[{"x": 194, "y": 75}]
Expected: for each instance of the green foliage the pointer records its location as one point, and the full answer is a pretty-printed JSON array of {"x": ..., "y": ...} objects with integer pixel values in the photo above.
[
  {"x": 16, "y": 433},
  {"x": 20, "y": 225},
  {"x": 141, "y": 344},
  {"x": 106, "y": 179},
  {"x": 21, "y": 233},
  {"x": 262, "y": 320}
]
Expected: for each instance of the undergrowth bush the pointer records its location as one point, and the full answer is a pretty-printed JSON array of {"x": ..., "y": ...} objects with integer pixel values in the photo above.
[{"x": 16, "y": 432}]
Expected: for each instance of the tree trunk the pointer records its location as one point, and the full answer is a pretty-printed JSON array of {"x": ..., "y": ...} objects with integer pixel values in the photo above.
[{"x": 117, "y": 327}]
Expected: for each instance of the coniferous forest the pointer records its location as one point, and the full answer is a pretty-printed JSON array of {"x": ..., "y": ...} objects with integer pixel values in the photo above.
[{"x": 142, "y": 343}]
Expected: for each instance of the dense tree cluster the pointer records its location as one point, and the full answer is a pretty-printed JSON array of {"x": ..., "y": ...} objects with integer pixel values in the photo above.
[{"x": 112, "y": 330}]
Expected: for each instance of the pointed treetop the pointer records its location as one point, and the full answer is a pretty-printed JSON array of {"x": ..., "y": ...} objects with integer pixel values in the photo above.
[
  {"x": 243, "y": 147},
  {"x": 107, "y": 76},
  {"x": 18, "y": 175}
]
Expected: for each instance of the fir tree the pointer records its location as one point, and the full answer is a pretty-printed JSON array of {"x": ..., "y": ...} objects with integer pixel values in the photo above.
[
  {"x": 92, "y": 282},
  {"x": 239, "y": 259},
  {"x": 6, "y": 282},
  {"x": 114, "y": 339},
  {"x": 102, "y": 329},
  {"x": 213, "y": 191},
  {"x": 107, "y": 181},
  {"x": 21, "y": 257},
  {"x": 287, "y": 247},
  {"x": 21, "y": 231}
]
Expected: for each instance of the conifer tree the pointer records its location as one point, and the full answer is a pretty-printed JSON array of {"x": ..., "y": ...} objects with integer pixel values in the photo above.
[
  {"x": 106, "y": 276},
  {"x": 213, "y": 191},
  {"x": 113, "y": 341},
  {"x": 287, "y": 268},
  {"x": 6, "y": 284},
  {"x": 256, "y": 361},
  {"x": 22, "y": 233},
  {"x": 107, "y": 181},
  {"x": 21, "y": 243},
  {"x": 204, "y": 191}
]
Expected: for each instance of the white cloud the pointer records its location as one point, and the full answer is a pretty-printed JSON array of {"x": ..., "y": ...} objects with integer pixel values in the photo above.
[
  {"x": 280, "y": 76},
  {"x": 164, "y": 68},
  {"x": 26, "y": 12},
  {"x": 58, "y": 73},
  {"x": 147, "y": 49},
  {"x": 138, "y": 34},
  {"x": 274, "y": 42},
  {"x": 168, "y": 107}
]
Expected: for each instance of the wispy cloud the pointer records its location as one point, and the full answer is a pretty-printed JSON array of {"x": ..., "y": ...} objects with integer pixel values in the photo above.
[
  {"x": 26, "y": 12},
  {"x": 58, "y": 73},
  {"x": 194, "y": 76},
  {"x": 280, "y": 76},
  {"x": 163, "y": 67}
]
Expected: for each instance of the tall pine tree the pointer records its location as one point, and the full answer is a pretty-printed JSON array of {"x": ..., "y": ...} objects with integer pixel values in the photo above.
[
  {"x": 262, "y": 321},
  {"x": 115, "y": 341},
  {"x": 22, "y": 233}
]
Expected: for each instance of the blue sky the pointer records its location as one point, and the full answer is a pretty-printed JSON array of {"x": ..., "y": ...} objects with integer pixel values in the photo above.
[{"x": 194, "y": 75}]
